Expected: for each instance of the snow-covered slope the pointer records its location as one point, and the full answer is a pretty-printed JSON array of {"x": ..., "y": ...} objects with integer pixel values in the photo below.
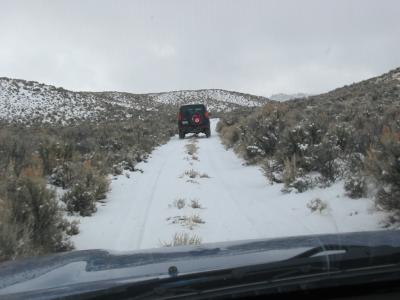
[
  {"x": 26, "y": 101},
  {"x": 217, "y": 100},
  {"x": 285, "y": 97},
  {"x": 233, "y": 202},
  {"x": 29, "y": 101}
]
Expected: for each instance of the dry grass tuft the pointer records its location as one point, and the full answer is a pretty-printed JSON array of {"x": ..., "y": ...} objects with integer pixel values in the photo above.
[
  {"x": 195, "y": 204},
  {"x": 192, "y": 181},
  {"x": 179, "y": 203},
  {"x": 187, "y": 221},
  {"x": 191, "y": 149},
  {"x": 182, "y": 239},
  {"x": 192, "y": 173},
  {"x": 317, "y": 205}
]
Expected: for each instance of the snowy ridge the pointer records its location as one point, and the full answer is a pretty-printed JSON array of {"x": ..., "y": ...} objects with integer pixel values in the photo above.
[
  {"x": 286, "y": 97},
  {"x": 32, "y": 102},
  {"x": 28, "y": 101},
  {"x": 215, "y": 99}
]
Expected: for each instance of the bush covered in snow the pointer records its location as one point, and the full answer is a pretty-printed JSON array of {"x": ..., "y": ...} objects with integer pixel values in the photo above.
[
  {"x": 88, "y": 186},
  {"x": 80, "y": 199},
  {"x": 355, "y": 186},
  {"x": 317, "y": 205}
]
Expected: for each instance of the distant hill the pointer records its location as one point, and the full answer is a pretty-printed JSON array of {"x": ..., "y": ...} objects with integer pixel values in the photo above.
[
  {"x": 285, "y": 97},
  {"x": 30, "y": 101}
]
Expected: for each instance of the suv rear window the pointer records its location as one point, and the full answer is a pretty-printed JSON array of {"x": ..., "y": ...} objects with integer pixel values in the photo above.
[{"x": 193, "y": 109}]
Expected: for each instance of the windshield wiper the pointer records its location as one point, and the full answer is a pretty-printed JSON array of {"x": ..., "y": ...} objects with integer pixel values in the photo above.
[{"x": 350, "y": 261}]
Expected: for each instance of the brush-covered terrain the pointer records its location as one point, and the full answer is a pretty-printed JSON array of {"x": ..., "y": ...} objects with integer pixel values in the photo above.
[
  {"x": 351, "y": 134},
  {"x": 58, "y": 147}
]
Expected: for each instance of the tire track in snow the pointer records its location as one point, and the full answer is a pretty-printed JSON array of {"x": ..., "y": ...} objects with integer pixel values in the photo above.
[
  {"x": 149, "y": 204},
  {"x": 148, "y": 199},
  {"x": 238, "y": 202},
  {"x": 227, "y": 191},
  {"x": 286, "y": 220}
]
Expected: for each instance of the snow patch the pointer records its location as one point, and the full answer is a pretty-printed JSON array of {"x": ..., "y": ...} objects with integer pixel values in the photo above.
[{"x": 237, "y": 203}]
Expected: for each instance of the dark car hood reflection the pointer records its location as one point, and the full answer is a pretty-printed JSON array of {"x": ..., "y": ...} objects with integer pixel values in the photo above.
[{"x": 78, "y": 269}]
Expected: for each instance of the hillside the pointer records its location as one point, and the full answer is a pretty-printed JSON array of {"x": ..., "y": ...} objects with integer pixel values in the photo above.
[
  {"x": 33, "y": 102},
  {"x": 380, "y": 90},
  {"x": 286, "y": 97},
  {"x": 215, "y": 99},
  {"x": 350, "y": 134}
]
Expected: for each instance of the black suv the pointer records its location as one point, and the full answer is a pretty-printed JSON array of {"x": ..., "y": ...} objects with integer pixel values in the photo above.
[{"x": 193, "y": 118}]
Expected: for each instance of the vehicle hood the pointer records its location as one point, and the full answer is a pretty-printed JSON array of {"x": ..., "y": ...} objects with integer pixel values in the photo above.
[{"x": 77, "y": 271}]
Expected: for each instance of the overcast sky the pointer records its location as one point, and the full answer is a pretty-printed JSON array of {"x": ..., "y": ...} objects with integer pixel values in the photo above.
[{"x": 259, "y": 47}]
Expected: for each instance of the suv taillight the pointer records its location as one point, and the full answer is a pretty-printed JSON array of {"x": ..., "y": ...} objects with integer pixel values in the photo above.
[
  {"x": 206, "y": 114},
  {"x": 180, "y": 117}
]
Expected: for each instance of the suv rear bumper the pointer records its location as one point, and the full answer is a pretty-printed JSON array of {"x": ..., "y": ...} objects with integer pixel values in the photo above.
[{"x": 193, "y": 128}]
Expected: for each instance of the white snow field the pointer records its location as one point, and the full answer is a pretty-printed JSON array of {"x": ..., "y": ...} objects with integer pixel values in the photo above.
[{"x": 237, "y": 203}]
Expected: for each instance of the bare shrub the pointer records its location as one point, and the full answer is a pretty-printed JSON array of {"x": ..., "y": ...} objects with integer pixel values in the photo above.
[
  {"x": 194, "y": 174},
  {"x": 303, "y": 183},
  {"x": 289, "y": 171},
  {"x": 324, "y": 156},
  {"x": 195, "y": 219},
  {"x": 192, "y": 221},
  {"x": 71, "y": 228},
  {"x": 355, "y": 186},
  {"x": 383, "y": 164},
  {"x": 220, "y": 126},
  {"x": 187, "y": 221},
  {"x": 90, "y": 187},
  {"x": 192, "y": 181},
  {"x": 80, "y": 199},
  {"x": 191, "y": 173},
  {"x": 31, "y": 221},
  {"x": 179, "y": 203},
  {"x": 191, "y": 148},
  {"x": 15, "y": 238},
  {"x": 194, "y": 203},
  {"x": 183, "y": 239},
  {"x": 230, "y": 135},
  {"x": 273, "y": 170}
]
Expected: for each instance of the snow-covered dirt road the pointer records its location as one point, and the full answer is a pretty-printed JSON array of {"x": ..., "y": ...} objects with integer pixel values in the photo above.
[{"x": 142, "y": 209}]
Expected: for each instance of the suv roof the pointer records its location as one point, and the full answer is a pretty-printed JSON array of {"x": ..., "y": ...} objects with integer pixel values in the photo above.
[{"x": 192, "y": 105}]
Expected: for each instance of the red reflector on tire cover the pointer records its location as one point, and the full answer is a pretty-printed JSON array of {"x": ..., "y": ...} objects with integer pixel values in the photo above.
[{"x": 196, "y": 118}]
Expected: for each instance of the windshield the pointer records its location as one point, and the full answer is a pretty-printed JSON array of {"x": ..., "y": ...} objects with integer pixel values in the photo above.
[
  {"x": 137, "y": 125},
  {"x": 192, "y": 109}
]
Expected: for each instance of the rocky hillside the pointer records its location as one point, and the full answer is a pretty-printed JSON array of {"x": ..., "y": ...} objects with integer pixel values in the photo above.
[{"x": 32, "y": 102}]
